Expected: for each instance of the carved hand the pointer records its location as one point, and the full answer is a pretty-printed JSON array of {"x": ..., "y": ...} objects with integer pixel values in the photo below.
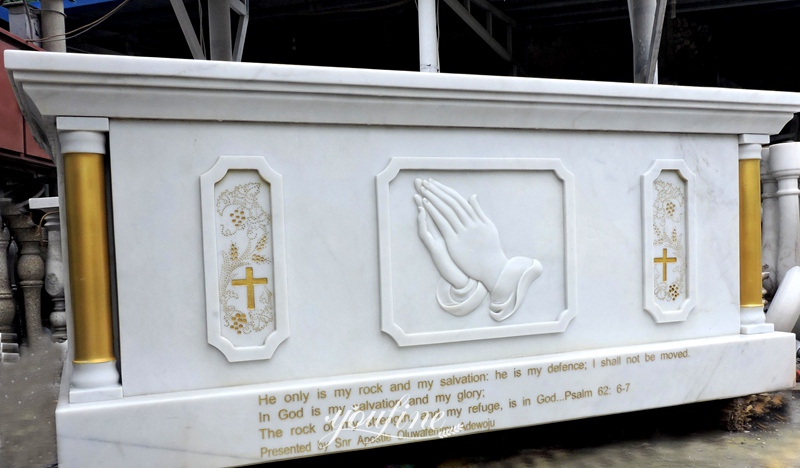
[
  {"x": 471, "y": 238},
  {"x": 435, "y": 244}
]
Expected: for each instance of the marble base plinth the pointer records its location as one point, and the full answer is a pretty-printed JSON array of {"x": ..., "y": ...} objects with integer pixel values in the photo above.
[{"x": 274, "y": 421}]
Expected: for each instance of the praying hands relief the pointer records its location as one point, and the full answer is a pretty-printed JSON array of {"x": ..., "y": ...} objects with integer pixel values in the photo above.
[{"x": 465, "y": 247}]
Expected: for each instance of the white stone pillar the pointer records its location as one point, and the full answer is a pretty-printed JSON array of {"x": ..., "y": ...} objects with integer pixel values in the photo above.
[
  {"x": 751, "y": 305},
  {"x": 83, "y": 150},
  {"x": 769, "y": 224},
  {"x": 54, "y": 266},
  {"x": 785, "y": 166}
]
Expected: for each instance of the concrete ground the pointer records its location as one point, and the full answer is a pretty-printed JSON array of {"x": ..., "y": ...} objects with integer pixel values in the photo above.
[
  {"x": 28, "y": 395},
  {"x": 685, "y": 436}
]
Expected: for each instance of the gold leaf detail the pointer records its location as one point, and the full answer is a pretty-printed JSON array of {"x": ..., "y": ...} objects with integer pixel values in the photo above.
[{"x": 234, "y": 252}]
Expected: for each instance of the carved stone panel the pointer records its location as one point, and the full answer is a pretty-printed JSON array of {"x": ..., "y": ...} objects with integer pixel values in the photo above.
[
  {"x": 244, "y": 254},
  {"x": 473, "y": 249},
  {"x": 669, "y": 225}
]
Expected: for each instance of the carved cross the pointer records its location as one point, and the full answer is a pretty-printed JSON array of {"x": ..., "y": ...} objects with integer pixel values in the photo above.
[
  {"x": 663, "y": 260},
  {"x": 250, "y": 282}
]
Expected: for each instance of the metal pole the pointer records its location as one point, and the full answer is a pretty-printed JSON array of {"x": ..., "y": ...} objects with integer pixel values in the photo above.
[
  {"x": 53, "y": 25},
  {"x": 219, "y": 30},
  {"x": 428, "y": 40},
  {"x": 647, "y": 21}
]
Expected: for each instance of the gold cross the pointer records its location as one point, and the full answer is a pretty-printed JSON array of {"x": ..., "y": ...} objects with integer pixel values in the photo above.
[
  {"x": 249, "y": 281},
  {"x": 663, "y": 261}
]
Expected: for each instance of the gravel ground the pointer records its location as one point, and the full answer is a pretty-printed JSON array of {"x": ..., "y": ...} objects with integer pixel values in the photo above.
[{"x": 689, "y": 435}]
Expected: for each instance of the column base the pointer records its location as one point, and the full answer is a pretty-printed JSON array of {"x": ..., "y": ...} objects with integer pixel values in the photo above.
[
  {"x": 9, "y": 351},
  {"x": 94, "y": 382},
  {"x": 7, "y": 337},
  {"x": 753, "y": 321},
  {"x": 756, "y": 328}
]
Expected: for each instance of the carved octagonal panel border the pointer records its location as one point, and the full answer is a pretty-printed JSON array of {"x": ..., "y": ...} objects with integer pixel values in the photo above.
[
  {"x": 475, "y": 248},
  {"x": 243, "y": 243},
  {"x": 669, "y": 226}
]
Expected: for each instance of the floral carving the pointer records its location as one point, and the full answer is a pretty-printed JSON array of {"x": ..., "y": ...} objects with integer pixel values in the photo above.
[
  {"x": 241, "y": 211},
  {"x": 668, "y": 212}
]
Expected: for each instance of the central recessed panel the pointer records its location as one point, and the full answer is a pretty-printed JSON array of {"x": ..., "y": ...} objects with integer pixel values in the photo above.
[{"x": 474, "y": 249}]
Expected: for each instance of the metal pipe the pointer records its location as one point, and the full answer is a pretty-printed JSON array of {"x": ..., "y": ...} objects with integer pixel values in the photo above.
[
  {"x": 219, "y": 30},
  {"x": 428, "y": 40},
  {"x": 647, "y": 20}
]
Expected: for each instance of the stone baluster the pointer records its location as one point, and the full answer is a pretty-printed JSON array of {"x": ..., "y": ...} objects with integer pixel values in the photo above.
[
  {"x": 752, "y": 319},
  {"x": 6, "y": 296},
  {"x": 54, "y": 267},
  {"x": 9, "y": 350},
  {"x": 769, "y": 224},
  {"x": 94, "y": 373},
  {"x": 785, "y": 166},
  {"x": 30, "y": 269}
]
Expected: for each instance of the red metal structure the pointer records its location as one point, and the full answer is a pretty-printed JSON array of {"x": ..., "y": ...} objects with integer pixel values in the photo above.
[{"x": 18, "y": 150}]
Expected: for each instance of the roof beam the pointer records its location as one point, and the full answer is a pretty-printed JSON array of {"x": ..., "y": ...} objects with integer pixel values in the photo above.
[{"x": 479, "y": 29}]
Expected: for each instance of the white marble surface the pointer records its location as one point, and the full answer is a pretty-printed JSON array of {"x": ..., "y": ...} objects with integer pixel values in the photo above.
[
  {"x": 784, "y": 310},
  {"x": 245, "y": 258},
  {"x": 258, "y": 92},
  {"x": 669, "y": 228},
  {"x": 512, "y": 192},
  {"x": 227, "y": 427},
  {"x": 332, "y": 246},
  {"x": 329, "y": 133}
]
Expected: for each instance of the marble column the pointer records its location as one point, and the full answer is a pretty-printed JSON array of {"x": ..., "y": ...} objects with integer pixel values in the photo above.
[
  {"x": 94, "y": 372},
  {"x": 751, "y": 305},
  {"x": 769, "y": 224},
  {"x": 54, "y": 267},
  {"x": 785, "y": 166}
]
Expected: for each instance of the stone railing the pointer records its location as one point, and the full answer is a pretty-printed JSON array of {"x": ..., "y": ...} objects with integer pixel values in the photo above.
[
  {"x": 780, "y": 170},
  {"x": 30, "y": 257},
  {"x": 54, "y": 266},
  {"x": 9, "y": 348}
]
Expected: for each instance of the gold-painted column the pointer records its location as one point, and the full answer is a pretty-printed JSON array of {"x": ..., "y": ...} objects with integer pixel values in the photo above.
[
  {"x": 94, "y": 372},
  {"x": 84, "y": 179},
  {"x": 752, "y": 309}
]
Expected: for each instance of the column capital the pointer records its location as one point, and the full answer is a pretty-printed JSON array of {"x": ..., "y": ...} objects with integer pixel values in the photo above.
[
  {"x": 784, "y": 160},
  {"x": 82, "y": 134},
  {"x": 753, "y": 139}
]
